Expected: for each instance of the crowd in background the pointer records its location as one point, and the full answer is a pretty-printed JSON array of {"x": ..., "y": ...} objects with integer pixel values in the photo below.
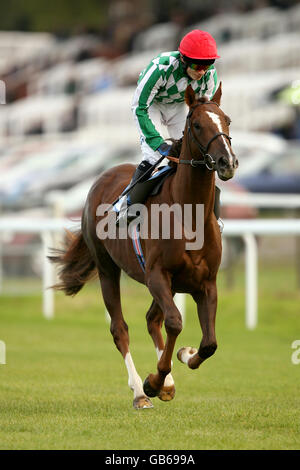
[
  {"x": 127, "y": 18},
  {"x": 122, "y": 34}
]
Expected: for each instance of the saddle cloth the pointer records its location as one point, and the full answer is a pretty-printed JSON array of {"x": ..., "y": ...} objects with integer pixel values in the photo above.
[{"x": 160, "y": 176}]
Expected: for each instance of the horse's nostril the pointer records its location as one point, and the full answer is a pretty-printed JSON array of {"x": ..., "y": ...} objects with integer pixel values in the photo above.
[
  {"x": 223, "y": 162},
  {"x": 236, "y": 163}
]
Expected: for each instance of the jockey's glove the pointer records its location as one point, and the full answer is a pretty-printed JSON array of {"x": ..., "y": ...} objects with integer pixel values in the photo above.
[{"x": 164, "y": 149}]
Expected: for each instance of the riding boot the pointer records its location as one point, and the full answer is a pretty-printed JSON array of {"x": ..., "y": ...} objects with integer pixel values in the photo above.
[
  {"x": 217, "y": 207},
  {"x": 138, "y": 194}
]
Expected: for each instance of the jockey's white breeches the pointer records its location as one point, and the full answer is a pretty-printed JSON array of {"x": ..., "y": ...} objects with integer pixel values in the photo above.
[{"x": 169, "y": 121}]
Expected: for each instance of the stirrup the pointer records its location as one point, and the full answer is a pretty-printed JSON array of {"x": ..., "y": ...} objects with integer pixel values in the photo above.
[{"x": 122, "y": 216}]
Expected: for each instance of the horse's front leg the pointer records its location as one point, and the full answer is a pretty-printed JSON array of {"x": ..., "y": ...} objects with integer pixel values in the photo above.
[
  {"x": 159, "y": 284},
  {"x": 207, "y": 307},
  {"x": 154, "y": 323}
]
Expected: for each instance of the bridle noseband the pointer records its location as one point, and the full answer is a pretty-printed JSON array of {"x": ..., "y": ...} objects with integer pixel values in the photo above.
[{"x": 208, "y": 160}]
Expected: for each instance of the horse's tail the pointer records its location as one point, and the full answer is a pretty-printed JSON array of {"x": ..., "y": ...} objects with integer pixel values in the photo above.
[{"x": 76, "y": 264}]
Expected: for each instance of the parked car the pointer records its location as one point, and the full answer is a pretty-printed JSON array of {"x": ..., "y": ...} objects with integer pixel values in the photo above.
[{"x": 277, "y": 175}]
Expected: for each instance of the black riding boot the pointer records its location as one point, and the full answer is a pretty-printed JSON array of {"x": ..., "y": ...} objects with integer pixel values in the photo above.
[
  {"x": 138, "y": 194},
  {"x": 140, "y": 170}
]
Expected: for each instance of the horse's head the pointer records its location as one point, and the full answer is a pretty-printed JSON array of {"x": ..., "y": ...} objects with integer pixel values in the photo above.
[{"x": 208, "y": 134}]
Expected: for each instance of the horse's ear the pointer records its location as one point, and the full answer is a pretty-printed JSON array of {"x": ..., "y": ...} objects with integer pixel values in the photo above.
[
  {"x": 217, "y": 96},
  {"x": 189, "y": 96}
]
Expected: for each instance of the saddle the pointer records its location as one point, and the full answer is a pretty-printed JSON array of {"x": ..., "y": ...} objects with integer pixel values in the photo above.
[
  {"x": 153, "y": 185},
  {"x": 158, "y": 178}
]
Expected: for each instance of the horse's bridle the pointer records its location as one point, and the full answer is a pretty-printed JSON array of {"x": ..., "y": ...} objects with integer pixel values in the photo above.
[{"x": 208, "y": 160}]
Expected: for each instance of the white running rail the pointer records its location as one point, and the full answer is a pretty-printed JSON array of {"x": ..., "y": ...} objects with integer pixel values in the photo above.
[{"x": 247, "y": 229}]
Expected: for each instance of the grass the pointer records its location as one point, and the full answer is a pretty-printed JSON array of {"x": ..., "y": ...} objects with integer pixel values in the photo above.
[{"x": 65, "y": 385}]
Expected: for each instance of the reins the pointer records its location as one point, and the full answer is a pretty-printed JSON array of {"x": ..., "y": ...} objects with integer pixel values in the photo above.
[{"x": 208, "y": 160}]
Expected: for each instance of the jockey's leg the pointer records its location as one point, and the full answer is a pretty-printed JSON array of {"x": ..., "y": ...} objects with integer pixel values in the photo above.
[
  {"x": 140, "y": 192},
  {"x": 174, "y": 117}
]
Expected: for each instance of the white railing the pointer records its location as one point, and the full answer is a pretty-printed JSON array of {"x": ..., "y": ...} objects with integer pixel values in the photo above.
[
  {"x": 247, "y": 229},
  {"x": 260, "y": 200},
  {"x": 46, "y": 228}
]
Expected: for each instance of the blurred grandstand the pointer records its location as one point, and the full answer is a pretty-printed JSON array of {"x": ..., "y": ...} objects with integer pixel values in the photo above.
[{"x": 68, "y": 101}]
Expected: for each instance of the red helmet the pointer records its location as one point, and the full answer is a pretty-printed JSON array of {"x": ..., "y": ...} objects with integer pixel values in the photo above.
[{"x": 198, "y": 45}]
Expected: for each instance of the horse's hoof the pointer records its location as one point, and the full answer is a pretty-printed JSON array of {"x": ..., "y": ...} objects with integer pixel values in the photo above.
[
  {"x": 184, "y": 354},
  {"x": 149, "y": 391},
  {"x": 142, "y": 403},
  {"x": 167, "y": 393}
]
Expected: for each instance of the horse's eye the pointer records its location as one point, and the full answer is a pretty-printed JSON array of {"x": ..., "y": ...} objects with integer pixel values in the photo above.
[{"x": 197, "y": 126}]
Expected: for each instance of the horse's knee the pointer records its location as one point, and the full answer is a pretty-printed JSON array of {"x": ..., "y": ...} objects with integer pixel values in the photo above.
[
  {"x": 207, "y": 350},
  {"x": 154, "y": 318},
  {"x": 173, "y": 324}
]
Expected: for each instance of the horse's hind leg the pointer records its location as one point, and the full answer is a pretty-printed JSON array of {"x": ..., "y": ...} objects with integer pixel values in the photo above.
[
  {"x": 111, "y": 295},
  {"x": 154, "y": 323}
]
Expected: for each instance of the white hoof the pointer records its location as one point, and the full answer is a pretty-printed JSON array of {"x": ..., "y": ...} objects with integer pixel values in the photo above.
[
  {"x": 185, "y": 354},
  {"x": 142, "y": 403}
]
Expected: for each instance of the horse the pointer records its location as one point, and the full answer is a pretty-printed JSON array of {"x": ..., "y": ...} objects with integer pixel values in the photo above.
[{"x": 169, "y": 266}]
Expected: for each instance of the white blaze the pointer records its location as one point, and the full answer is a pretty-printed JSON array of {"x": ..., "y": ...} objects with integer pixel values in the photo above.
[{"x": 217, "y": 121}]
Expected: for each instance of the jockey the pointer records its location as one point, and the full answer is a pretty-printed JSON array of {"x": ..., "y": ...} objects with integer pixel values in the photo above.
[{"x": 159, "y": 96}]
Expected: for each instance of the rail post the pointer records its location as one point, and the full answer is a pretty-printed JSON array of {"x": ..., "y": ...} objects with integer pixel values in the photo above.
[
  {"x": 48, "y": 277},
  {"x": 251, "y": 280}
]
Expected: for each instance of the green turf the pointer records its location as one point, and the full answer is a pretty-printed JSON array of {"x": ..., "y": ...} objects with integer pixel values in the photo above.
[{"x": 65, "y": 385}]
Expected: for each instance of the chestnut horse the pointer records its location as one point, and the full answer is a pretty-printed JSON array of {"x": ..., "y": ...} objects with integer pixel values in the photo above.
[{"x": 169, "y": 266}]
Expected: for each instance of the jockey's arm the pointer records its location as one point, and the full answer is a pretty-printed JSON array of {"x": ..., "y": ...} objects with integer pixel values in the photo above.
[{"x": 148, "y": 86}]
